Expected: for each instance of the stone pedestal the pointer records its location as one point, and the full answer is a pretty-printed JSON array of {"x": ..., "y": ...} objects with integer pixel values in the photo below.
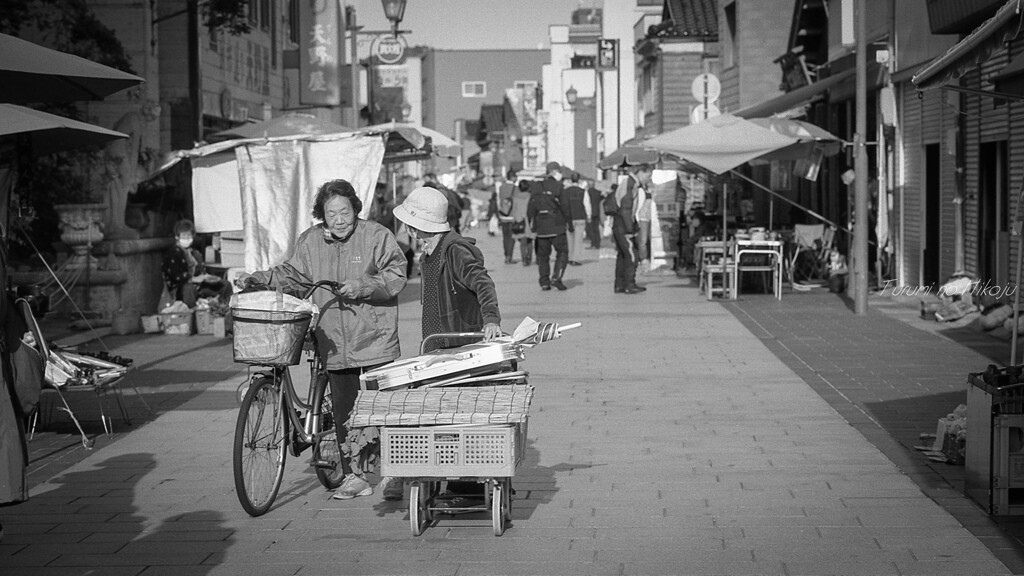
[{"x": 81, "y": 226}]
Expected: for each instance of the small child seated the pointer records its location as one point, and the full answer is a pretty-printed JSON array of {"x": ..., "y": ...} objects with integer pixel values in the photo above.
[{"x": 837, "y": 272}]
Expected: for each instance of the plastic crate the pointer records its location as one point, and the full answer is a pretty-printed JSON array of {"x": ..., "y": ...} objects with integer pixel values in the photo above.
[
  {"x": 1007, "y": 491},
  {"x": 452, "y": 452}
]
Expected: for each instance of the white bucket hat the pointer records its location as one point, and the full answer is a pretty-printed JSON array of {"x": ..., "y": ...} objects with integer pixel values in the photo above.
[{"x": 426, "y": 209}]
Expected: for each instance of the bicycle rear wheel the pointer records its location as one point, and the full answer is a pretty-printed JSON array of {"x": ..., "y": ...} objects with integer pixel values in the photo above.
[
  {"x": 326, "y": 456},
  {"x": 260, "y": 446}
]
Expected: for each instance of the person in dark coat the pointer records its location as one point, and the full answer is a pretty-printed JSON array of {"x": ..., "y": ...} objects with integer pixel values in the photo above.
[
  {"x": 549, "y": 216},
  {"x": 184, "y": 272},
  {"x": 458, "y": 295},
  {"x": 13, "y": 439},
  {"x": 594, "y": 196}
]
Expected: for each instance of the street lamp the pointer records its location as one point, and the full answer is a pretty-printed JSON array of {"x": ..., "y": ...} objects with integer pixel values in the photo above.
[
  {"x": 394, "y": 10},
  {"x": 571, "y": 95}
]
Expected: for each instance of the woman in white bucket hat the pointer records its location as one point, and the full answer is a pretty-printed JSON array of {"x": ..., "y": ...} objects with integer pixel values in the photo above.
[{"x": 458, "y": 294}]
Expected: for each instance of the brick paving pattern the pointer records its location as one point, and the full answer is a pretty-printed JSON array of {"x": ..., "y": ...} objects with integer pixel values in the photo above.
[{"x": 669, "y": 435}]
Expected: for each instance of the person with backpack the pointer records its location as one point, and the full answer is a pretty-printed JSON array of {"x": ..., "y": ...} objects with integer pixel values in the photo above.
[{"x": 549, "y": 215}]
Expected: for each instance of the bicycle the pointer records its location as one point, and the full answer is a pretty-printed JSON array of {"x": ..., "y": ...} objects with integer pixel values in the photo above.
[{"x": 274, "y": 421}]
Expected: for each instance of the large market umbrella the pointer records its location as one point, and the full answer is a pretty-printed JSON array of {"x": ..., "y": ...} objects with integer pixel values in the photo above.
[
  {"x": 48, "y": 133},
  {"x": 810, "y": 138},
  {"x": 415, "y": 136},
  {"x": 282, "y": 126},
  {"x": 721, "y": 143},
  {"x": 33, "y": 73}
]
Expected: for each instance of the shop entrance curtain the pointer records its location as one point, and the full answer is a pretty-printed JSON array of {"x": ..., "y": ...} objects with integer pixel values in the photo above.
[{"x": 278, "y": 184}]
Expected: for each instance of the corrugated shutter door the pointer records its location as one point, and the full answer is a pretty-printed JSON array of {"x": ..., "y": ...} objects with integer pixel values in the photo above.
[{"x": 913, "y": 175}]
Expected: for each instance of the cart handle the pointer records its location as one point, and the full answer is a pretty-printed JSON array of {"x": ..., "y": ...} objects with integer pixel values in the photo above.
[{"x": 439, "y": 335}]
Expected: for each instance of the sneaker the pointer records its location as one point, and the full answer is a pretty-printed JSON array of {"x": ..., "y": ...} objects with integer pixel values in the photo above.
[
  {"x": 353, "y": 487},
  {"x": 558, "y": 284},
  {"x": 392, "y": 488},
  {"x": 545, "y": 287}
]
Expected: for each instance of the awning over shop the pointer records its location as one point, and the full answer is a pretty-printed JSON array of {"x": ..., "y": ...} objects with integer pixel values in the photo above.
[
  {"x": 972, "y": 50},
  {"x": 793, "y": 98}
]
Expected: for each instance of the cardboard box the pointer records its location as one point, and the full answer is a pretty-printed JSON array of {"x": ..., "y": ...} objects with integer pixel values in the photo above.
[
  {"x": 151, "y": 324},
  {"x": 204, "y": 321},
  {"x": 219, "y": 327}
]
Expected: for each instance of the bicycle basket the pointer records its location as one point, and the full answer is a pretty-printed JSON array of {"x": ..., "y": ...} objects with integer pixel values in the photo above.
[{"x": 269, "y": 337}]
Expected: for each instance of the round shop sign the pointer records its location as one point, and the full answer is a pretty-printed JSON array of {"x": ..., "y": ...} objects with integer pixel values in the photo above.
[{"x": 389, "y": 49}]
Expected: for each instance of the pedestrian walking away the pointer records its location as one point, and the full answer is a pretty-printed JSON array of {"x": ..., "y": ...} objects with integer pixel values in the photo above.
[
  {"x": 548, "y": 214},
  {"x": 358, "y": 325},
  {"x": 505, "y": 218},
  {"x": 457, "y": 295},
  {"x": 576, "y": 194},
  {"x": 520, "y": 229}
]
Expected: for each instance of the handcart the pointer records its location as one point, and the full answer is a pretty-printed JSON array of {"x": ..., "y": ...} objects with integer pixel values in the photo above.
[{"x": 453, "y": 414}]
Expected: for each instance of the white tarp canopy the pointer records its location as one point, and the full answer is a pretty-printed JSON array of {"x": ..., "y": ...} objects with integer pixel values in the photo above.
[{"x": 266, "y": 187}]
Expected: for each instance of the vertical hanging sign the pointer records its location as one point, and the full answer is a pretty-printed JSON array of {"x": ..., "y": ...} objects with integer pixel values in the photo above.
[{"x": 321, "y": 52}]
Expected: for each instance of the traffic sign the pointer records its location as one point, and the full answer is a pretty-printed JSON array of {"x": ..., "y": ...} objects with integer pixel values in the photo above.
[
  {"x": 607, "y": 54},
  {"x": 389, "y": 49},
  {"x": 706, "y": 88},
  {"x": 698, "y": 115}
]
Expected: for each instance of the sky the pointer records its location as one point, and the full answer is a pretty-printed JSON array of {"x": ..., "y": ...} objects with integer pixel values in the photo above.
[{"x": 473, "y": 24}]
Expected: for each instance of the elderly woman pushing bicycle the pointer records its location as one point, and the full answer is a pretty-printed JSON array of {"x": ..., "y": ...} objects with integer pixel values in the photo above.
[{"x": 358, "y": 326}]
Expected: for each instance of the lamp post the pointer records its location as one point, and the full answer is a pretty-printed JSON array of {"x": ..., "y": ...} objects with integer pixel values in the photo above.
[{"x": 394, "y": 11}]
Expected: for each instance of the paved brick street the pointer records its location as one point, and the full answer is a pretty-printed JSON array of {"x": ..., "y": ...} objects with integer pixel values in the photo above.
[{"x": 668, "y": 435}]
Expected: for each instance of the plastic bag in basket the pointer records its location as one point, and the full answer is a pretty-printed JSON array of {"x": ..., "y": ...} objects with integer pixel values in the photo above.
[{"x": 273, "y": 301}]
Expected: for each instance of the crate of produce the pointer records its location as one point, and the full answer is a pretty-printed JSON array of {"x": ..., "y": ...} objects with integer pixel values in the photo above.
[
  {"x": 452, "y": 451},
  {"x": 177, "y": 323},
  {"x": 498, "y": 404}
]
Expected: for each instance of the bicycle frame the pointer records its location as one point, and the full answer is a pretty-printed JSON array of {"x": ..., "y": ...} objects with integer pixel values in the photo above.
[{"x": 299, "y": 411}]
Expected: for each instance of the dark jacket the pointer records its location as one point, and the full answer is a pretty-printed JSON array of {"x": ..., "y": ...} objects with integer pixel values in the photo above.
[
  {"x": 176, "y": 270},
  {"x": 467, "y": 298},
  {"x": 576, "y": 197},
  {"x": 627, "y": 197},
  {"x": 548, "y": 210},
  {"x": 594, "y": 197}
]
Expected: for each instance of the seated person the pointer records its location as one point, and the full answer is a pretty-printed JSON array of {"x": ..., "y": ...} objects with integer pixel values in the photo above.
[
  {"x": 837, "y": 272},
  {"x": 184, "y": 274}
]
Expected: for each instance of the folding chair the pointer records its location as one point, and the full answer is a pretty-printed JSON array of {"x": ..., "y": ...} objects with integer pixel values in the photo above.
[
  {"x": 715, "y": 261},
  {"x": 808, "y": 256},
  {"x": 60, "y": 367}
]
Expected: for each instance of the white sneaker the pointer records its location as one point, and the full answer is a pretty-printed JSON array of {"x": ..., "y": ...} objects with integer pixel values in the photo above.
[
  {"x": 353, "y": 487},
  {"x": 392, "y": 487}
]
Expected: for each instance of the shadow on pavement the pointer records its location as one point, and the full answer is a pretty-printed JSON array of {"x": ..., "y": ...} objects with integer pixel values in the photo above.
[{"x": 107, "y": 525}]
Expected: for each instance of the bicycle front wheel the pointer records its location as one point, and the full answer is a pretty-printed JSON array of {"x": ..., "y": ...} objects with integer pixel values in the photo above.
[
  {"x": 326, "y": 456},
  {"x": 260, "y": 450}
]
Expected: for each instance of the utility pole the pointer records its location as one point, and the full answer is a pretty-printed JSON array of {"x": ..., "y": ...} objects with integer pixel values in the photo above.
[
  {"x": 860, "y": 229},
  {"x": 353, "y": 29}
]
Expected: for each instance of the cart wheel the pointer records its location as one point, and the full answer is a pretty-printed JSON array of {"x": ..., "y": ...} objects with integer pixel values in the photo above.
[
  {"x": 419, "y": 514},
  {"x": 498, "y": 496}
]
